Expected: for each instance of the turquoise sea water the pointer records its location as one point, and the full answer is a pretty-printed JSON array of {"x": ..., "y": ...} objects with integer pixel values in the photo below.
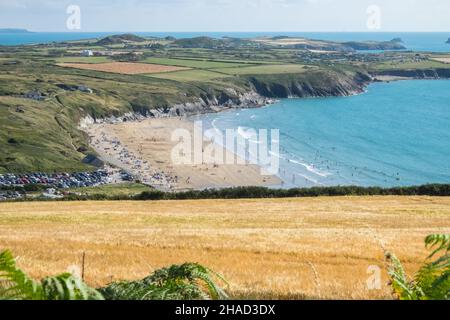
[
  {"x": 412, "y": 40},
  {"x": 395, "y": 134}
]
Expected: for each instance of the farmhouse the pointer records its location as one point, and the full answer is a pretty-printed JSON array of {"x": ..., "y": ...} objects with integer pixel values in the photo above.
[{"x": 87, "y": 53}]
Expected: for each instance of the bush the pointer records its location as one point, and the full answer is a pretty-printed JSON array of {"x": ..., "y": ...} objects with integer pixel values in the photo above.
[
  {"x": 189, "y": 281},
  {"x": 432, "y": 281},
  {"x": 13, "y": 141},
  {"x": 184, "y": 282}
]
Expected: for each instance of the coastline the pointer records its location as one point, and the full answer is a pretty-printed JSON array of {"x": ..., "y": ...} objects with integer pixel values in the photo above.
[
  {"x": 143, "y": 148},
  {"x": 140, "y": 144}
]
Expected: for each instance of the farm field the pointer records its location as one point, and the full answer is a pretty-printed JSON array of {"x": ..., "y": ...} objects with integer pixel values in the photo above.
[
  {"x": 274, "y": 248},
  {"x": 410, "y": 65},
  {"x": 191, "y": 63},
  {"x": 190, "y": 75},
  {"x": 83, "y": 60},
  {"x": 123, "y": 67},
  {"x": 266, "y": 69}
]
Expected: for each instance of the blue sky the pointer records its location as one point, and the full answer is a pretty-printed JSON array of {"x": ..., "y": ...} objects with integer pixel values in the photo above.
[{"x": 226, "y": 15}]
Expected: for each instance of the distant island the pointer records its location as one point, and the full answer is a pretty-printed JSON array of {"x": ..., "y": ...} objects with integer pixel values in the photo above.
[{"x": 10, "y": 30}]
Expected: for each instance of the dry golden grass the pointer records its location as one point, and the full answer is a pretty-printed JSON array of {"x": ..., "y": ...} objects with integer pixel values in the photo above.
[
  {"x": 123, "y": 67},
  {"x": 442, "y": 59},
  {"x": 274, "y": 248}
]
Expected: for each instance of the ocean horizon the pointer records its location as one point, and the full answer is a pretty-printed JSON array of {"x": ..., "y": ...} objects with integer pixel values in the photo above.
[{"x": 415, "y": 41}]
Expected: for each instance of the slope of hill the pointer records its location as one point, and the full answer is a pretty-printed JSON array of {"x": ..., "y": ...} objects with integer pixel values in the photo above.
[
  {"x": 120, "y": 39},
  {"x": 12, "y": 30}
]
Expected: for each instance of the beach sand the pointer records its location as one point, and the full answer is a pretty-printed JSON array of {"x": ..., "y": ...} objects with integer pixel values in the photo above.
[{"x": 144, "y": 148}]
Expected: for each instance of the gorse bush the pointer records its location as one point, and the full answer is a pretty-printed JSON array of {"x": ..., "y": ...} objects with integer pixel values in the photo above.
[
  {"x": 185, "y": 282},
  {"x": 432, "y": 281}
]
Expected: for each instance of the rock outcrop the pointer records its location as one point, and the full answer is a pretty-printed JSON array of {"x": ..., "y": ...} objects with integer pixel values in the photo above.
[
  {"x": 253, "y": 92},
  {"x": 440, "y": 73}
]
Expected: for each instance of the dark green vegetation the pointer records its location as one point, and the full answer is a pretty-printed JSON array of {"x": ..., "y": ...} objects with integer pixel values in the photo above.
[
  {"x": 189, "y": 281},
  {"x": 119, "y": 39},
  {"x": 261, "y": 192},
  {"x": 143, "y": 193},
  {"x": 41, "y": 107},
  {"x": 432, "y": 281}
]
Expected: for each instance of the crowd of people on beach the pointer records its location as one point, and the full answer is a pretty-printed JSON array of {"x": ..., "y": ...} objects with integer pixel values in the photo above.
[{"x": 138, "y": 167}]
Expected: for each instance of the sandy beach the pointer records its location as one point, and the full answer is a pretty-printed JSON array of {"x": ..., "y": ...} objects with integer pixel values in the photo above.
[{"x": 144, "y": 149}]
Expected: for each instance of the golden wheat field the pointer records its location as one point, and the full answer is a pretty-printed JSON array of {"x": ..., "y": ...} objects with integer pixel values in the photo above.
[{"x": 274, "y": 248}]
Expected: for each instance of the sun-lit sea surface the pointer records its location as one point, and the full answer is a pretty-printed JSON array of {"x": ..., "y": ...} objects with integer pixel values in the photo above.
[
  {"x": 395, "y": 134},
  {"x": 412, "y": 40}
]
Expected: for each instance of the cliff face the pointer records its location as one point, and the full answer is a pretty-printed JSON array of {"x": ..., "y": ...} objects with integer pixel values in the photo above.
[
  {"x": 257, "y": 91},
  {"x": 316, "y": 84},
  {"x": 417, "y": 74}
]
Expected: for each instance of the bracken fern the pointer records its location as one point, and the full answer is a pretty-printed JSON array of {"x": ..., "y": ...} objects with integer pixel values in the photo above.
[
  {"x": 432, "y": 281},
  {"x": 16, "y": 285},
  {"x": 189, "y": 281}
]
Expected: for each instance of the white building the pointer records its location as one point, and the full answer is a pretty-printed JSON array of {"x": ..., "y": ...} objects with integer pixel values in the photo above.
[{"x": 87, "y": 53}]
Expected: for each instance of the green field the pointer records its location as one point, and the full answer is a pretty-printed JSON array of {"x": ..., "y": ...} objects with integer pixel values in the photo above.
[
  {"x": 190, "y": 63},
  {"x": 83, "y": 60},
  {"x": 266, "y": 69},
  {"x": 412, "y": 65},
  {"x": 190, "y": 75},
  {"x": 122, "y": 189}
]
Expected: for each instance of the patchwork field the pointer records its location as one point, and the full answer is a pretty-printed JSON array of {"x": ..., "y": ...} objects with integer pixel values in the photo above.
[
  {"x": 273, "y": 248},
  {"x": 123, "y": 67},
  {"x": 191, "y": 63},
  {"x": 82, "y": 60},
  {"x": 267, "y": 69},
  {"x": 190, "y": 75}
]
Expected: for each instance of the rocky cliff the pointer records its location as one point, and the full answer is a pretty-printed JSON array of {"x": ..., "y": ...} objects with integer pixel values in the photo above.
[
  {"x": 257, "y": 91},
  {"x": 313, "y": 84},
  {"x": 439, "y": 73}
]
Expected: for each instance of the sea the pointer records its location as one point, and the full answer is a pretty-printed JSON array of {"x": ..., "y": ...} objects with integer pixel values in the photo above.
[
  {"x": 415, "y": 41},
  {"x": 395, "y": 134}
]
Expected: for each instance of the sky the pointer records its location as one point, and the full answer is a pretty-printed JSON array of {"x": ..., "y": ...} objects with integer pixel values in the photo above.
[{"x": 226, "y": 15}]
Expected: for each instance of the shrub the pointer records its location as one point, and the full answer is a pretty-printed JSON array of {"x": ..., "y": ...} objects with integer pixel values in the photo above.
[
  {"x": 13, "y": 141},
  {"x": 184, "y": 282},
  {"x": 189, "y": 281}
]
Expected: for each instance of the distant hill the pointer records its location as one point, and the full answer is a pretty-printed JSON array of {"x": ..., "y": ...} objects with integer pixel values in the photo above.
[
  {"x": 120, "y": 39},
  {"x": 198, "y": 42},
  {"x": 394, "y": 44},
  {"x": 9, "y": 30},
  {"x": 211, "y": 43}
]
